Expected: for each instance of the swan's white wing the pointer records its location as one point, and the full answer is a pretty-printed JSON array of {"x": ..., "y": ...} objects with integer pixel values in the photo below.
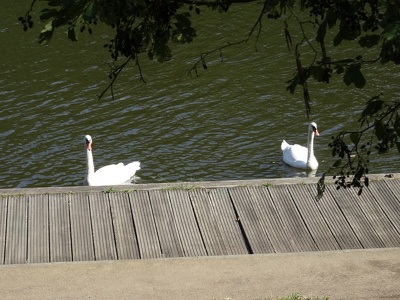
[
  {"x": 115, "y": 174},
  {"x": 294, "y": 155},
  {"x": 298, "y": 156}
]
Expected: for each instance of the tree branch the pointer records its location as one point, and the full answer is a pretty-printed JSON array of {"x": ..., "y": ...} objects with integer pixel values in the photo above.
[
  {"x": 114, "y": 72},
  {"x": 202, "y": 62},
  {"x": 384, "y": 117}
]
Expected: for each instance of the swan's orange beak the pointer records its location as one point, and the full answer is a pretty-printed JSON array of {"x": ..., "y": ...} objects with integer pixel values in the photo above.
[
  {"x": 316, "y": 132},
  {"x": 88, "y": 145}
]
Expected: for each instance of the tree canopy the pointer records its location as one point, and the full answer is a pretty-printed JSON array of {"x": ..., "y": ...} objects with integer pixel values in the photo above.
[{"x": 148, "y": 27}]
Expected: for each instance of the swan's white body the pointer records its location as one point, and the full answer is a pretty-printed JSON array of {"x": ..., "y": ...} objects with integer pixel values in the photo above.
[
  {"x": 108, "y": 175},
  {"x": 301, "y": 157}
]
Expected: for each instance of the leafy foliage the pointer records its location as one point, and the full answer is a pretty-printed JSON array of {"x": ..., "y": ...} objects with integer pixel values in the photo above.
[
  {"x": 142, "y": 26},
  {"x": 379, "y": 132}
]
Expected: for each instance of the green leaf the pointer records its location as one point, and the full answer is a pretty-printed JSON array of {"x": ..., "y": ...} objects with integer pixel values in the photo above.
[
  {"x": 354, "y": 75},
  {"x": 344, "y": 61},
  {"x": 392, "y": 31},
  {"x": 90, "y": 12},
  {"x": 53, "y": 3},
  {"x": 350, "y": 28},
  {"x": 72, "y": 33},
  {"x": 293, "y": 84},
  {"x": 379, "y": 130},
  {"x": 160, "y": 50},
  {"x": 337, "y": 40},
  {"x": 183, "y": 19},
  {"x": 337, "y": 163},
  {"x": 317, "y": 73},
  {"x": 184, "y": 33},
  {"x": 369, "y": 41},
  {"x": 331, "y": 18},
  {"x": 47, "y": 14},
  {"x": 339, "y": 69},
  {"x": 373, "y": 106},
  {"x": 46, "y": 33},
  {"x": 396, "y": 124},
  {"x": 355, "y": 137},
  {"x": 75, "y": 29}
]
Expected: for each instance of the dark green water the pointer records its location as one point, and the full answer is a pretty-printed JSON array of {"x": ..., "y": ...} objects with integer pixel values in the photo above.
[{"x": 228, "y": 123}]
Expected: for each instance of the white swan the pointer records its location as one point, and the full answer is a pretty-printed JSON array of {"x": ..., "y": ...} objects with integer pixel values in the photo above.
[
  {"x": 301, "y": 157},
  {"x": 108, "y": 175}
]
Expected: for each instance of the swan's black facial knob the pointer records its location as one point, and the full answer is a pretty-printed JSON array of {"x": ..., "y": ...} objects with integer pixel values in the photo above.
[
  {"x": 313, "y": 127},
  {"x": 88, "y": 140}
]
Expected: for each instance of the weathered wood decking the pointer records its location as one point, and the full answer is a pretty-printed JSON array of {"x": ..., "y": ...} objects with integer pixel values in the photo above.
[{"x": 156, "y": 223}]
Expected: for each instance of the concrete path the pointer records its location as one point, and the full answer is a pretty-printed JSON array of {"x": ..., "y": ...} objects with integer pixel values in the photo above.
[{"x": 356, "y": 274}]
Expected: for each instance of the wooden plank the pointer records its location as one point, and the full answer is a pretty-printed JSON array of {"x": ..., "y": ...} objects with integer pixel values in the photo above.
[
  {"x": 394, "y": 186},
  {"x": 81, "y": 228},
  {"x": 3, "y": 227},
  {"x": 226, "y": 218},
  {"x": 103, "y": 232},
  {"x": 186, "y": 224},
  {"x": 247, "y": 214},
  {"x": 149, "y": 245},
  {"x": 277, "y": 232},
  {"x": 306, "y": 204},
  {"x": 387, "y": 200},
  {"x": 291, "y": 218},
  {"x": 336, "y": 221},
  {"x": 38, "y": 229},
  {"x": 356, "y": 218},
  {"x": 207, "y": 222},
  {"x": 125, "y": 235},
  {"x": 164, "y": 220},
  {"x": 378, "y": 219},
  {"x": 60, "y": 228},
  {"x": 17, "y": 230}
]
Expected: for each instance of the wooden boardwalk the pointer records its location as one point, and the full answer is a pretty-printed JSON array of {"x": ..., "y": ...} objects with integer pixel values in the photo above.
[{"x": 157, "y": 223}]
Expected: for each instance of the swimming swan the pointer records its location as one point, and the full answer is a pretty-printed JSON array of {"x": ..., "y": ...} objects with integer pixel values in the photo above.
[
  {"x": 108, "y": 175},
  {"x": 301, "y": 157}
]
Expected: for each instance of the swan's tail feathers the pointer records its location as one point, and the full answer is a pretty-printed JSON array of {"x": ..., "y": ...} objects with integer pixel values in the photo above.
[
  {"x": 133, "y": 166},
  {"x": 284, "y": 145}
]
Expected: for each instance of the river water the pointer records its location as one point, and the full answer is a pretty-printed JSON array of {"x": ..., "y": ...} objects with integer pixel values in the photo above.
[{"x": 227, "y": 123}]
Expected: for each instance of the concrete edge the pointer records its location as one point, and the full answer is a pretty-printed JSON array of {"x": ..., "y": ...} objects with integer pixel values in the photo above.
[
  {"x": 183, "y": 185},
  {"x": 382, "y": 251}
]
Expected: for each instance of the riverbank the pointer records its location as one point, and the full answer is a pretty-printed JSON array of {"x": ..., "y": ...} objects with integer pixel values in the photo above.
[
  {"x": 206, "y": 240},
  {"x": 186, "y": 185}
]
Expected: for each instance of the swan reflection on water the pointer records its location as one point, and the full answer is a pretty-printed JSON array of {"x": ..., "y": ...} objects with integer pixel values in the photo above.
[{"x": 294, "y": 172}]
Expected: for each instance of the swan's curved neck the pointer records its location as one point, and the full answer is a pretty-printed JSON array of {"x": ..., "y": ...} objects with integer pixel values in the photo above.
[
  {"x": 90, "y": 164},
  {"x": 310, "y": 145}
]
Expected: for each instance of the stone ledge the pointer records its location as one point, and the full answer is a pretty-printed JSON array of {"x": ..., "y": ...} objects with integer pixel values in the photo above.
[{"x": 182, "y": 185}]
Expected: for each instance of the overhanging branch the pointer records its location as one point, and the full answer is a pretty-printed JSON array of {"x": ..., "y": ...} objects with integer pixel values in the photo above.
[
  {"x": 201, "y": 62},
  {"x": 114, "y": 72}
]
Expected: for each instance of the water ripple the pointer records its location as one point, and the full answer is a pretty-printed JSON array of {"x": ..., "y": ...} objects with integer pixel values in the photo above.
[{"x": 227, "y": 123}]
